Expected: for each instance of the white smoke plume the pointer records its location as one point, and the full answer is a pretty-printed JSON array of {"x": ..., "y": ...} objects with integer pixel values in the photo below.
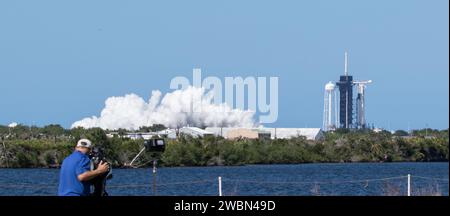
[
  {"x": 13, "y": 125},
  {"x": 192, "y": 106}
]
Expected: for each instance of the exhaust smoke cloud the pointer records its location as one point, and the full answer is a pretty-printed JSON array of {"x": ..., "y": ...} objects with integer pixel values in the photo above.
[{"x": 192, "y": 106}]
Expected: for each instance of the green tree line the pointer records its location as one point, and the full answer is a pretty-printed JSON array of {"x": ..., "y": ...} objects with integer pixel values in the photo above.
[{"x": 24, "y": 146}]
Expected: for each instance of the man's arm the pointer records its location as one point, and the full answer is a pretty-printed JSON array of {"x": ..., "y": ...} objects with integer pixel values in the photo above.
[{"x": 88, "y": 175}]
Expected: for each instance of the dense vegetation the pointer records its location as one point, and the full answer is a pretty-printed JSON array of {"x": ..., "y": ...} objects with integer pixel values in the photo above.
[{"x": 24, "y": 146}]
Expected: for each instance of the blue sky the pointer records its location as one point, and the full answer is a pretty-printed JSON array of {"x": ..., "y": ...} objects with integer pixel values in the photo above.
[{"x": 60, "y": 60}]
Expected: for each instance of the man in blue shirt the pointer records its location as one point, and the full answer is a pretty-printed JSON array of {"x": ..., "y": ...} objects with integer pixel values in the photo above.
[{"x": 76, "y": 171}]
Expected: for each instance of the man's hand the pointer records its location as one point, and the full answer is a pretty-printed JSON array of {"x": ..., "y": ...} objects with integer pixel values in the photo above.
[{"x": 103, "y": 167}]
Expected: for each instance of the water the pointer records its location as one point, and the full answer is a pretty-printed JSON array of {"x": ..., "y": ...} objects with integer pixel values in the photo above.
[{"x": 302, "y": 179}]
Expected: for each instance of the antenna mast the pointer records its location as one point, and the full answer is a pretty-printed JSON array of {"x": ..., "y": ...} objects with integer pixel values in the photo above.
[{"x": 346, "y": 64}]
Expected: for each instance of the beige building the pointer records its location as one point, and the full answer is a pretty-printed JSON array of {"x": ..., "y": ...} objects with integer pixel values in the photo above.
[
  {"x": 271, "y": 133},
  {"x": 249, "y": 133}
]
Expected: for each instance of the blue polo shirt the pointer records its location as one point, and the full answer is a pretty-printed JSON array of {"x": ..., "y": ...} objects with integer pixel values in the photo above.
[{"x": 75, "y": 164}]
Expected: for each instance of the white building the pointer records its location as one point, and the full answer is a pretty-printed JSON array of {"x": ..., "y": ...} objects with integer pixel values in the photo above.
[
  {"x": 232, "y": 133},
  {"x": 192, "y": 131},
  {"x": 140, "y": 135},
  {"x": 287, "y": 133},
  {"x": 169, "y": 133}
]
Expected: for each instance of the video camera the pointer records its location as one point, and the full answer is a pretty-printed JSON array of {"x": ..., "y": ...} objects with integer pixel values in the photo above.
[
  {"x": 99, "y": 183},
  {"x": 96, "y": 155},
  {"x": 155, "y": 144}
]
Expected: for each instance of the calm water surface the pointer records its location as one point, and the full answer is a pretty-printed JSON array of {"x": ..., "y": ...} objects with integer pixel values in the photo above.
[{"x": 302, "y": 179}]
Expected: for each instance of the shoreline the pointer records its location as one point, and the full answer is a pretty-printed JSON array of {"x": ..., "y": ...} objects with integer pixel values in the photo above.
[{"x": 259, "y": 164}]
